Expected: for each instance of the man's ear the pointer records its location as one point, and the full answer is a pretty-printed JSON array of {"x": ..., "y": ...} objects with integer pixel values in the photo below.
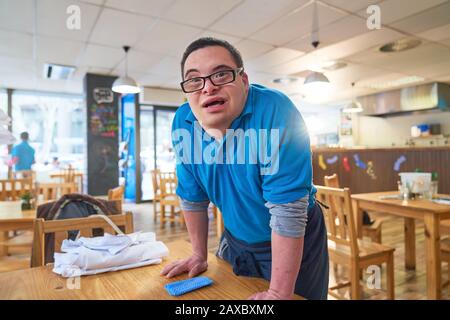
[{"x": 245, "y": 79}]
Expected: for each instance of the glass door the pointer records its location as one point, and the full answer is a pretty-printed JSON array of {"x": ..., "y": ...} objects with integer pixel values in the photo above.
[
  {"x": 156, "y": 144},
  {"x": 165, "y": 156},
  {"x": 147, "y": 152}
]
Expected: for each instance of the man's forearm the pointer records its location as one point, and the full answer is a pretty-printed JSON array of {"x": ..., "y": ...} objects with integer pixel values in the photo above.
[
  {"x": 287, "y": 253},
  {"x": 197, "y": 225}
]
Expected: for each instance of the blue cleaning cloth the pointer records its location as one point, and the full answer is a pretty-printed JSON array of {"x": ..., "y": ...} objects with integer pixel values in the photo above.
[{"x": 181, "y": 287}]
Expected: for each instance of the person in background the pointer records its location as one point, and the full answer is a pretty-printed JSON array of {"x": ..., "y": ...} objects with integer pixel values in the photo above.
[
  {"x": 55, "y": 163},
  {"x": 23, "y": 154}
]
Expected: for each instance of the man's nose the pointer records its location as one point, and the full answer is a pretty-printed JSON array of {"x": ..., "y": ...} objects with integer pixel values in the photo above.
[{"x": 209, "y": 87}]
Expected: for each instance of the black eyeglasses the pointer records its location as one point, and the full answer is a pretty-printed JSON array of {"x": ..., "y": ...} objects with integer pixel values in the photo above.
[{"x": 218, "y": 78}]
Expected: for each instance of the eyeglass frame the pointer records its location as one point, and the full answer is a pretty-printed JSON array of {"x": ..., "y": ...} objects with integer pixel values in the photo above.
[{"x": 236, "y": 72}]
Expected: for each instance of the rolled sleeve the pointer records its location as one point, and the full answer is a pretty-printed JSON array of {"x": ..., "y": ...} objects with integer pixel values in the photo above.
[
  {"x": 289, "y": 219},
  {"x": 193, "y": 206}
]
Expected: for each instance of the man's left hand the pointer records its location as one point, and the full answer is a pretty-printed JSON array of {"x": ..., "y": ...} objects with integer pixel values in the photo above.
[{"x": 269, "y": 295}]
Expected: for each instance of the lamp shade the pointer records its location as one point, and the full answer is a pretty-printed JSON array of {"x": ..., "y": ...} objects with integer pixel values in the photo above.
[
  {"x": 317, "y": 85},
  {"x": 353, "y": 107},
  {"x": 125, "y": 85},
  {"x": 316, "y": 77}
]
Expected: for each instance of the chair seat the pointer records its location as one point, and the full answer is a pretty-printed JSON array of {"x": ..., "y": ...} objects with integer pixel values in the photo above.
[
  {"x": 377, "y": 223},
  {"x": 367, "y": 249},
  {"x": 169, "y": 199}
]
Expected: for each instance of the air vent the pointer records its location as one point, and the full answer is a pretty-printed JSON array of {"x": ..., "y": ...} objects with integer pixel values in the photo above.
[
  {"x": 57, "y": 71},
  {"x": 285, "y": 80}
]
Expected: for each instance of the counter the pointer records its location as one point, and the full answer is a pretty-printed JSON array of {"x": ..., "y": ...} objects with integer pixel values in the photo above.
[{"x": 376, "y": 169}]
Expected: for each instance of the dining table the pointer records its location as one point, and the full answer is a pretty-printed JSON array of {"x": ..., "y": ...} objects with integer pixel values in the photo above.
[
  {"x": 13, "y": 218},
  {"x": 430, "y": 211},
  {"x": 145, "y": 283}
]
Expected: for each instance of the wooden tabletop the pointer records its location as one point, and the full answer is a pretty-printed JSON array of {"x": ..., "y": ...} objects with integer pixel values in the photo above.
[
  {"x": 139, "y": 283},
  {"x": 63, "y": 174},
  {"x": 13, "y": 218},
  {"x": 416, "y": 204}
]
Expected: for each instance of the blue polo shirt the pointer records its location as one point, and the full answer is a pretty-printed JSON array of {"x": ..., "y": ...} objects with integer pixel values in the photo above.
[
  {"x": 25, "y": 154},
  {"x": 239, "y": 180}
]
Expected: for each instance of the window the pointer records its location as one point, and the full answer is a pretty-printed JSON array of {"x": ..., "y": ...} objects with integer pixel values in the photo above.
[
  {"x": 4, "y": 148},
  {"x": 4, "y": 101},
  {"x": 56, "y": 124}
]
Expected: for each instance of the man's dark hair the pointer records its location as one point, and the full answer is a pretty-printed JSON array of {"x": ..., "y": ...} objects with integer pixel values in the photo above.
[
  {"x": 24, "y": 136},
  {"x": 211, "y": 42}
]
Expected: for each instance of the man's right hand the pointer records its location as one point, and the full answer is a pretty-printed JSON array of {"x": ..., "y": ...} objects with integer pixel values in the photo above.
[{"x": 194, "y": 265}]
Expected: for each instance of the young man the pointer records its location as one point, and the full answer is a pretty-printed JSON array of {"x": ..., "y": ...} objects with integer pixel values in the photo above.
[
  {"x": 23, "y": 154},
  {"x": 273, "y": 227}
]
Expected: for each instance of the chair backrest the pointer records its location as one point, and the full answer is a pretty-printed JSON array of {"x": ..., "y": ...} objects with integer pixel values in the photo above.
[
  {"x": 332, "y": 181},
  {"x": 61, "y": 228},
  {"x": 12, "y": 189},
  {"x": 339, "y": 217},
  {"x": 168, "y": 183},
  {"x": 53, "y": 191},
  {"x": 116, "y": 193},
  {"x": 156, "y": 177},
  {"x": 23, "y": 174},
  {"x": 70, "y": 175}
]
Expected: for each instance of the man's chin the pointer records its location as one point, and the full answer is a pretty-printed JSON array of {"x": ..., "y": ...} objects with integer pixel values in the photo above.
[{"x": 214, "y": 120}]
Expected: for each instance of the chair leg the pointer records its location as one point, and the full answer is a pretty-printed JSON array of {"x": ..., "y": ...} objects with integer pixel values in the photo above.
[
  {"x": 448, "y": 271},
  {"x": 354, "y": 279},
  {"x": 182, "y": 218},
  {"x": 163, "y": 214},
  {"x": 390, "y": 276},
  {"x": 154, "y": 210}
]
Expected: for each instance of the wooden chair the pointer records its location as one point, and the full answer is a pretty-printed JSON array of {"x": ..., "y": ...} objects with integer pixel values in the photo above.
[
  {"x": 23, "y": 174},
  {"x": 343, "y": 246},
  {"x": 116, "y": 193},
  {"x": 156, "y": 181},
  {"x": 70, "y": 175},
  {"x": 168, "y": 185},
  {"x": 445, "y": 247},
  {"x": 12, "y": 189},
  {"x": 61, "y": 227},
  {"x": 372, "y": 231},
  {"x": 53, "y": 191}
]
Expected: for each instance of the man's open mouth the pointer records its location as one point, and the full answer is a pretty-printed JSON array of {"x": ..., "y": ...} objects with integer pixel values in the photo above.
[{"x": 214, "y": 103}]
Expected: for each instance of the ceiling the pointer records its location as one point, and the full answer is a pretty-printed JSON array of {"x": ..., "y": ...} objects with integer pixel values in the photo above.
[{"x": 274, "y": 37}]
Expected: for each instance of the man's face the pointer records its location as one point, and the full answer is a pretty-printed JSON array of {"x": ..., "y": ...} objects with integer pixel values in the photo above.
[{"x": 215, "y": 107}]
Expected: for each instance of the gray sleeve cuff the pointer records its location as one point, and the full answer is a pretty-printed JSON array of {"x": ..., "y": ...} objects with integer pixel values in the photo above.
[
  {"x": 193, "y": 206},
  {"x": 289, "y": 219}
]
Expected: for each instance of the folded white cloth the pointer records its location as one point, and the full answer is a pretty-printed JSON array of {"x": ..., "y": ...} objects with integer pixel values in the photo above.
[
  {"x": 108, "y": 253},
  {"x": 111, "y": 243}
]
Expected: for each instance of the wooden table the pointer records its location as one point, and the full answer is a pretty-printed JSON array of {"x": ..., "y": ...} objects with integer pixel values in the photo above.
[
  {"x": 430, "y": 212},
  {"x": 139, "y": 283},
  {"x": 13, "y": 219}
]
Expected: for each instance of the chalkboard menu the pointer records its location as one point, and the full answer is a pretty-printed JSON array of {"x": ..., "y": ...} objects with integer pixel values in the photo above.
[{"x": 102, "y": 134}]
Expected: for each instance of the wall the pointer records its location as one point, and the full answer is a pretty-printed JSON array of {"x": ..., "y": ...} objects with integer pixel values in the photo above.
[
  {"x": 383, "y": 132},
  {"x": 158, "y": 96}
]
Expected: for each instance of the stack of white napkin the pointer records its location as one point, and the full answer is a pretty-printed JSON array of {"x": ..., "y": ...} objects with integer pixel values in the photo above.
[{"x": 86, "y": 256}]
